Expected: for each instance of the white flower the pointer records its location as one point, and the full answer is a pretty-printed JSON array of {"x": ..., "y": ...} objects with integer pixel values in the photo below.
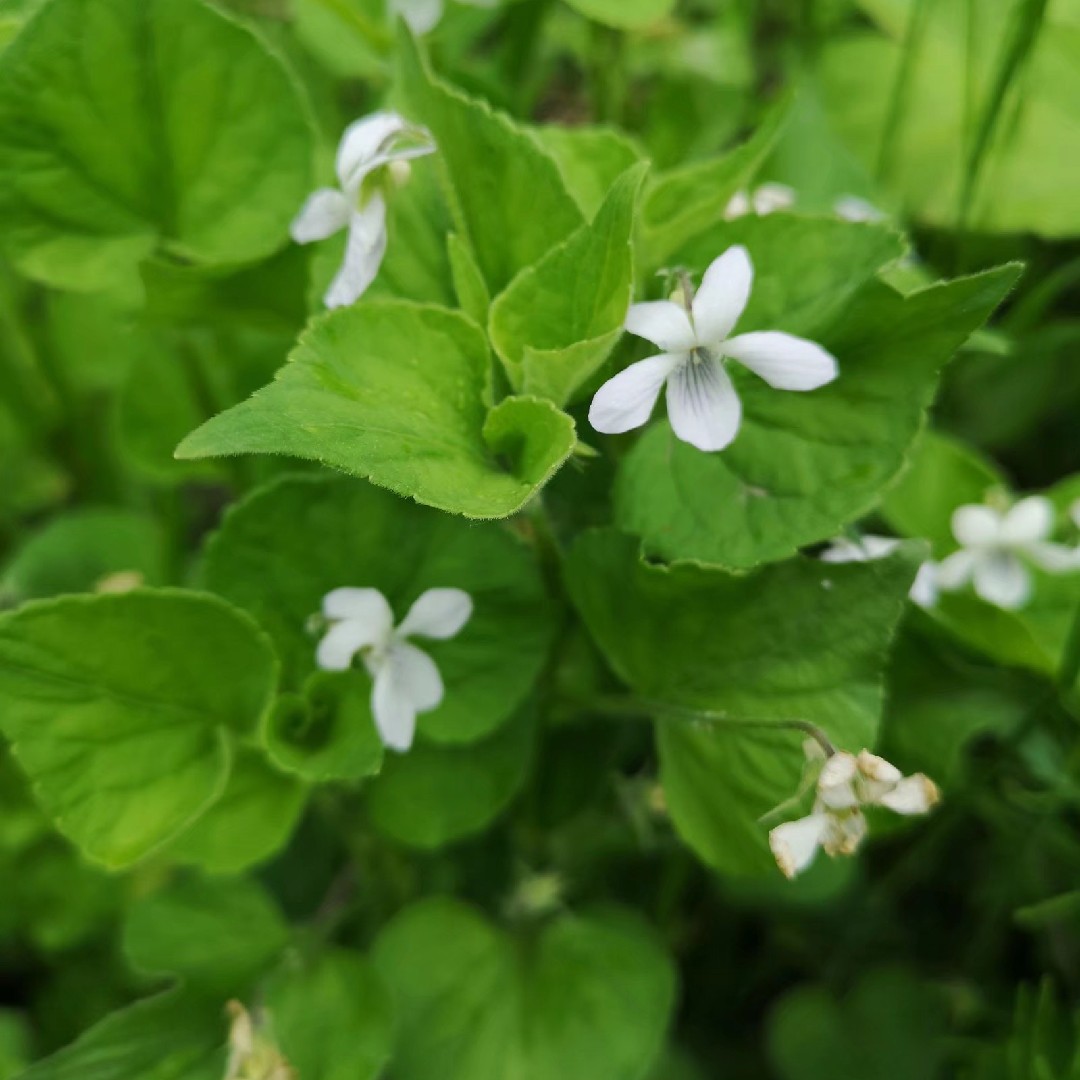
[
  {"x": 996, "y": 548},
  {"x": 405, "y": 680},
  {"x": 380, "y": 143},
  {"x": 867, "y": 548},
  {"x": 852, "y": 208},
  {"x": 836, "y": 823},
  {"x": 703, "y": 407},
  {"x": 765, "y": 199},
  {"x": 422, "y": 16}
]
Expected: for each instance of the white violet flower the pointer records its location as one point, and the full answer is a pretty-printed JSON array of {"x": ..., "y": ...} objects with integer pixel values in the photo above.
[
  {"x": 422, "y": 16},
  {"x": 405, "y": 680},
  {"x": 765, "y": 199},
  {"x": 853, "y": 208},
  {"x": 703, "y": 407},
  {"x": 867, "y": 548},
  {"x": 997, "y": 547},
  {"x": 836, "y": 823},
  {"x": 380, "y": 144}
]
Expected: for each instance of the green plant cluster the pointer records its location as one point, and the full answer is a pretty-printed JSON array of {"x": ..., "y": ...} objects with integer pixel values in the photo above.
[{"x": 635, "y": 666}]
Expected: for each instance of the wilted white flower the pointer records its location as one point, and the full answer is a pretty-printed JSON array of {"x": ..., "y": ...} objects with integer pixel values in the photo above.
[
  {"x": 252, "y": 1053},
  {"x": 997, "y": 547},
  {"x": 836, "y": 824},
  {"x": 868, "y": 548},
  {"x": 703, "y": 407},
  {"x": 370, "y": 148},
  {"x": 765, "y": 199},
  {"x": 405, "y": 680},
  {"x": 853, "y": 208}
]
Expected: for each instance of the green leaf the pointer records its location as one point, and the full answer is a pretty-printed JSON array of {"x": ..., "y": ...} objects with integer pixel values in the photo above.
[
  {"x": 590, "y": 160},
  {"x": 130, "y": 126},
  {"x": 79, "y": 550},
  {"x": 328, "y": 732},
  {"x": 252, "y": 820},
  {"x": 363, "y": 393},
  {"x": 119, "y": 708},
  {"x": 890, "y": 1026},
  {"x": 943, "y": 474},
  {"x": 556, "y": 322},
  {"x": 623, "y": 14},
  {"x": 168, "y": 1037},
  {"x": 586, "y": 998},
  {"x": 803, "y": 465},
  {"x": 217, "y": 935},
  {"x": 435, "y": 795},
  {"x": 938, "y": 701},
  {"x": 469, "y": 288},
  {"x": 332, "y": 1017},
  {"x": 688, "y": 200},
  {"x": 280, "y": 551},
  {"x": 801, "y": 640},
  {"x": 507, "y": 197}
]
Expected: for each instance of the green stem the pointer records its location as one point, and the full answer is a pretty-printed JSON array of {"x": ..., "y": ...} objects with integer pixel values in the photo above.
[{"x": 633, "y": 708}]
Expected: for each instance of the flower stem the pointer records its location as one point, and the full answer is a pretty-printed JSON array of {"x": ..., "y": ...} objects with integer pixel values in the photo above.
[{"x": 630, "y": 707}]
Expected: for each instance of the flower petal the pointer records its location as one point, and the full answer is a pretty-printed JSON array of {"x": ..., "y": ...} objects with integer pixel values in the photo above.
[
  {"x": 844, "y": 834},
  {"x": 392, "y": 708},
  {"x": 361, "y": 143},
  {"x": 1053, "y": 558},
  {"x": 421, "y": 16},
  {"x": 341, "y": 643},
  {"x": 795, "y": 843},
  {"x": 324, "y": 213},
  {"x": 417, "y": 674},
  {"x": 367, "y": 606},
  {"x": 703, "y": 407},
  {"x": 1028, "y": 521},
  {"x": 1002, "y": 579},
  {"x": 976, "y": 526},
  {"x": 437, "y": 613},
  {"x": 911, "y": 795},
  {"x": 364, "y": 253},
  {"x": 866, "y": 549},
  {"x": 770, "y": 197},
  {"x": 725, "y": 289},
  {"x": 852, "y": 208},
  {"x": 738, "y": 206},
  {"x": 626, "y": 400},
  {"x": 924, "y": 589},
  {"x": 955, "y": 571},
  {"x": 783, "y": 360},
  {"x": 664, "y": 323},
  {"x": 835, "y": 784}
]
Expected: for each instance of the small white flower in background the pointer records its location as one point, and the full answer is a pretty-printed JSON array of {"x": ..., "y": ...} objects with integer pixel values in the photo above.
[
  {"x": 766, "y": 199},
  {"x": 852, "y": 208},
  {"x": 997, "y": 549},
  {"x": 372, "y": 149},
  {"x": 405, "y": 680},
  {"x": 867, "y": 548},
  {"x": 703, "y": 407},
  {"x": 422, "y": 16},
  {"x": 836, "y": 823}
]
